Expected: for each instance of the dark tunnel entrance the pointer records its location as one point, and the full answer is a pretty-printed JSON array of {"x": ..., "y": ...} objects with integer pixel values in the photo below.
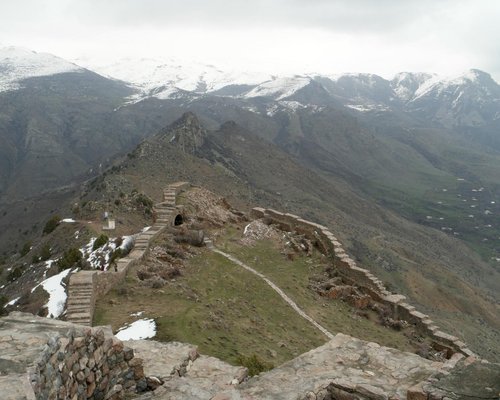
[{"x": 178, "y": 220}]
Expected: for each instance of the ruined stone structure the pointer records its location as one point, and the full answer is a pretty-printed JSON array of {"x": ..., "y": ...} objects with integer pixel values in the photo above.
[
  {"x": 85, "y": 287},
  {"x": 370, "y": 284}
]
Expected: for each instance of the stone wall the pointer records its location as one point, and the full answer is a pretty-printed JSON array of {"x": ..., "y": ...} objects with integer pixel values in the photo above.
[
  {"x": 86, "y": 287},
  {"x": 48, "y": 359},
  {"x": 370, "y": 284},
  {"x": 86, "y": 364}
]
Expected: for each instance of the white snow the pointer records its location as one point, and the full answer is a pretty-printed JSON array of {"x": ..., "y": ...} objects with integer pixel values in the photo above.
[
  {"x": 246, "y": 229},
  {"x": 98, "y": 258},
  {"x": 12, "y": 302},
  {"x": 368, "y": 107},
  {"x": 68, "y": 220},
  {"x": 137, "y": 314},
  {"x": 127, "y": 243},
  {"x": 140, "y": 329},
  {"x": 279, "y": 88},
  {"x": 57, "y": 292},
  {"x": 17, "y": 64},
  {"x": 164, "y": 77}
]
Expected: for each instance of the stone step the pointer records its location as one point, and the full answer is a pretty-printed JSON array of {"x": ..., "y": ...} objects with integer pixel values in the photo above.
[
  {"x": 81, "y": 289},
  {"x": 75, "y": 310},
  {"x": 79, "y": 295},
  {"x": 73, "y": 289},
  {"x": 81, "y": 285},
  {"x": 79, "y": 301}
]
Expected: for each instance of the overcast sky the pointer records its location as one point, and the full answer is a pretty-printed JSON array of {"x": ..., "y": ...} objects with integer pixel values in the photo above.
[{"x": 282, "y": 36}]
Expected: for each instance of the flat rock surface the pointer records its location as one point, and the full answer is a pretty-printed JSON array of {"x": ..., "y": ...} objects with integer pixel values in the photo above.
[
  {"x": 206, "y": 377},
  {"x": 186, "y": 375},
  {"x": 13, "y": 386},
  {"x": 347, "y": 363},
  {"x": 353, "y": 365},
  {"x": 23, "y": 337},
  {"x": 162, "y": 359}
]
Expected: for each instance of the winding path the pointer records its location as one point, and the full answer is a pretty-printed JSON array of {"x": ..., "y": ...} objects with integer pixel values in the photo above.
[{"x": 292, "y": 304}]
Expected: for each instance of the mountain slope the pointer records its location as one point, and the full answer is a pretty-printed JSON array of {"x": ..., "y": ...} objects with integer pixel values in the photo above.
[{"x": 247, "y": 170}]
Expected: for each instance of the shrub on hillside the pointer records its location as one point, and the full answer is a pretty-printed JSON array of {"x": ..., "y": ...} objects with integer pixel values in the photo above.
[
  {"x": 25, "y": 249},
  {"x": 45, "y": 253},
  {"x": 100, "y": 241},
  {"x": 14, "y": 274},
  {"x": 51, "y": 224},
  {"x": 254, "y": 364},
  {"x": 145, "y": 203},
  {"x": 69, "y": 259}
]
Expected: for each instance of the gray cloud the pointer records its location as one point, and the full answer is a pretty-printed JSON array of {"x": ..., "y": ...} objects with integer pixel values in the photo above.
[{"x": 461, "y": 31}]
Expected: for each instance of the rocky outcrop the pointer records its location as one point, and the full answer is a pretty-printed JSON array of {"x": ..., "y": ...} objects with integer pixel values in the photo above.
[{"x": 186, "y": 133}]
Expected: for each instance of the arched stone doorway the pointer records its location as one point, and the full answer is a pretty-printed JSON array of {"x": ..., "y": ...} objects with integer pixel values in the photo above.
[{"x": 178, "y": 220}]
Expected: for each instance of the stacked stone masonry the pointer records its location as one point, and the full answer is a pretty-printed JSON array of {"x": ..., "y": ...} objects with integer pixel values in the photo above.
[
  {"x": 48, "y": 359},
  {"x": 85, "y": 287},
  {"x": 346, "y": 266}
]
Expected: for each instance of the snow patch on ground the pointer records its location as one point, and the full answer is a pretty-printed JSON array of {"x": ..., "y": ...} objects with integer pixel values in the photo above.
[
  {"x": 57, "y": 293},
  {"x": 140, "y": 329},
  {"x": 100, "y": 257},
  {"x": 68, "y": 220},
  {"x": 12, "y": 302}
]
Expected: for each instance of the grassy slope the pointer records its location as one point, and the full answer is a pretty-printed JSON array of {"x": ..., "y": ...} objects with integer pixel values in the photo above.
[{"x": 228, "y": 311}]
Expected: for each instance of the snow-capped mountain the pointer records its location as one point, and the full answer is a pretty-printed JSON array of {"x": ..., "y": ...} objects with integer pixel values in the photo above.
[
  {"x": 406, "y": 84},
  {"x": 471, "y": 99},
  {"x": 279, "y": 88},
  {"x": 17, "y": 64},
  {"x": 163, "y": 78}
]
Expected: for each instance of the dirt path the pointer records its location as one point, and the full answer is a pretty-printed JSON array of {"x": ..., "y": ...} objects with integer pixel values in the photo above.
[{"x": 292, "y": 304}]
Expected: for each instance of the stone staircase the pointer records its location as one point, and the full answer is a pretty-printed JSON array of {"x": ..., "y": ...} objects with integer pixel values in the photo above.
[
  {"x": 81, "y": 298},
  {"x": 83, "y": 286}
]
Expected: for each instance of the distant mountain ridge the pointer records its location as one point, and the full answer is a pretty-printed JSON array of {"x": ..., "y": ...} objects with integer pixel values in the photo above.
[{"x": 471, "y": 99}]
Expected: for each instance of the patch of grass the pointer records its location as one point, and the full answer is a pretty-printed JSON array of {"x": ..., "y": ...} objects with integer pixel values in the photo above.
[
  {"x": 220, "y": 307},
  {"x": 292, "y": 276},
  {"x": 254, "y": 364}
]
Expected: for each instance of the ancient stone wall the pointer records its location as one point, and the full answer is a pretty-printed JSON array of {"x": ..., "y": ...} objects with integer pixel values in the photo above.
[
  {"x": 87, "y": 363},
  {"x": 85, "y": 287},
  {"x": 370, "y": 284}
]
